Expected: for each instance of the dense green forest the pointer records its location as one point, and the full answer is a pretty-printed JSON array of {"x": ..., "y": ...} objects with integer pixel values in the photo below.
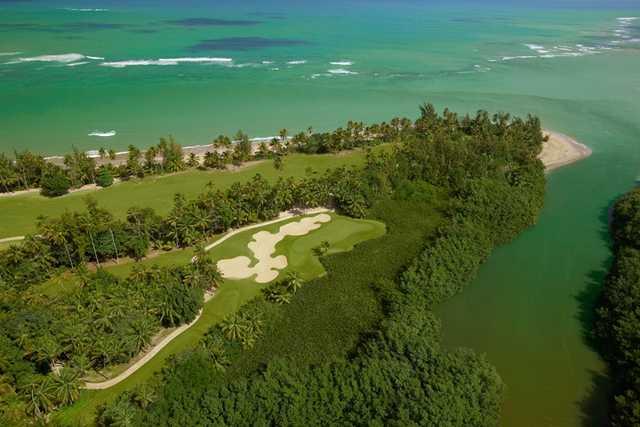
[
  {"x": 617, "y": 326},
  {"x": 341, "y": 350}
]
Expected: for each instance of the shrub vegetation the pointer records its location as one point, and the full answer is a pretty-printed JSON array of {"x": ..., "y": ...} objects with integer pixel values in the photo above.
[{"x": 617, "y": 325}]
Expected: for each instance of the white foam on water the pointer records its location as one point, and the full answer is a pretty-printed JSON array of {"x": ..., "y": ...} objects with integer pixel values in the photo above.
[
  {"x": 9, "y": 53},
  {"x": 315, "y": 76},
  {"x": 164, "y": 62},
  {"x": 511, "y": 58},
  {"x": 63, "y": 58},
  {"x": 342, "y": 63},
  {"x": 535, "y": 47},
  {"x": 248, "y": 64},
  {"x": 71, "y": 9},
  {"x": 196, "y": 60},
  {"x": 297, "y": 62},
  {"x": 103, "y": 134},
  {"x": 97, "y": 58},
  {"x": 75, "y": 64},
  {"x": 481, "y": 68},
  {"x": 341, "y": 71},
  {"x": 267, "y": 62},
  {"x": 275, "y": 69}
]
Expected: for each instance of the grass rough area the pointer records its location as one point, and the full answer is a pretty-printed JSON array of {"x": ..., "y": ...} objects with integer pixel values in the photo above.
[
  {"x": 342, "y": 233},
  {"x": 18, "y": 214}
]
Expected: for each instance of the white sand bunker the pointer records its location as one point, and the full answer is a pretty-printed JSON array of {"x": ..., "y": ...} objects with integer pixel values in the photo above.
[{"x": 263, "y": 247}]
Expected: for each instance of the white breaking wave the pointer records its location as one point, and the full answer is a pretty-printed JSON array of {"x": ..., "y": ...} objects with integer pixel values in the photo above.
[
  {"x": 267, "y": 62},
  {"x": 75, "y": 64},
  {"x": 511, "y": 58},
  {"x": 198, "y": 59},
  {"x": 341, "y": 71},
  {"x": 9, "y": 53},
  {"x": 98, "y": 58},
  {"x": 64, "y": 58},
  {"x": 71, "y": 9},
  {"x": 248, "y": 64},
  {"x": 164, "y": 61},
  {"x": 297, "y": 62},
  {"x": 342, "y": 63},
  {"x": 102, "y": 134}
]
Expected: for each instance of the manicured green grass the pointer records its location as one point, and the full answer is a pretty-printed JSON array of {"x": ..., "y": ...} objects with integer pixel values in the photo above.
[
  {"x": 341, "y": 232},
  {"x": 18, "y": 214}
]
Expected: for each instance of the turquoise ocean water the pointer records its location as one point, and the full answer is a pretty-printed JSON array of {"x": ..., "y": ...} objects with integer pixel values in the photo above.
[{"x": 195, "y": 69}]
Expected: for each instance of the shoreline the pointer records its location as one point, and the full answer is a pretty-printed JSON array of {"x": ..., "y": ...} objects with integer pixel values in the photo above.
[{"x": 561, "y": 150}]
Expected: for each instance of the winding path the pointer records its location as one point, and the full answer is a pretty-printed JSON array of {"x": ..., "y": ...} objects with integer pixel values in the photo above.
[
  {"x": 149, "y": 354},
  {"x": 12, "y": 239}
]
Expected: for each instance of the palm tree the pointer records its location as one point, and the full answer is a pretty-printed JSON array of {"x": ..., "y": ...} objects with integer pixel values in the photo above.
[
  {"x": 206, "y": 267},
  {"x": 66, "y": 386},
  {"x": 81, "y": 363},
  {"x": 253, "y": 322},
  {"x": 102, "y": 351},
  {"x": 293, "y": 282},
  {"x": 277, "y": 294},
  {"x": 48, "y": 350},
  {"x": 142, "y": 329},
  {"x": 213, "y": 345},
  {"x": 38, "y": 395},
  {"x": 284, "y": 138},
  {"x": 233, "y": 327},
  {"x": 123, "y": 415},
  {"x": 82, "y": 273},
  {"x": 88, "y": 226},
  {"x": 144, "y": 396},
  {"x": 202, "y": 219}
]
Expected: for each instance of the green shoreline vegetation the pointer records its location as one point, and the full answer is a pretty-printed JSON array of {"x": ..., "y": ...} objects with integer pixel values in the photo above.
[
  {"x": 617, "y": 323},
  {"x": 450, "y": 190}
]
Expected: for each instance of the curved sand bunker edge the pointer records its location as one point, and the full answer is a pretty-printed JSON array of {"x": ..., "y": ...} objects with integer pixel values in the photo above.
[{"x": 263, "y": 246}]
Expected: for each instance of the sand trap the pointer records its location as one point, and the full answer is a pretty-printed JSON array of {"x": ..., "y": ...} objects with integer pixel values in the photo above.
[{"x": 263, "y": 247}]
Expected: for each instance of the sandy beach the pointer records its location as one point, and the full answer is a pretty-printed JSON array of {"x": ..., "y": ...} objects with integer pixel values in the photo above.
[{"x": 561, "y": 150}]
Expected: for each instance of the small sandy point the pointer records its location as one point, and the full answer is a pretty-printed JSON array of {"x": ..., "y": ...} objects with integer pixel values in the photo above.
[{"x": 561, "y": 150}]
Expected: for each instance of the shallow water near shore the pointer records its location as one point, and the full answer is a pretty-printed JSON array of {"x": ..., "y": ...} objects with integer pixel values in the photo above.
[{"x": 529, "y": 308}]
